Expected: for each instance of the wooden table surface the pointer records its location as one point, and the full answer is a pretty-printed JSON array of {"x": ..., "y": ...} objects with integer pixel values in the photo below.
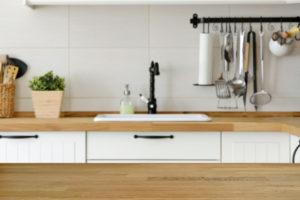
[
  {"x": 149, "y": 181},
  {"x": 274, "y": 124}
]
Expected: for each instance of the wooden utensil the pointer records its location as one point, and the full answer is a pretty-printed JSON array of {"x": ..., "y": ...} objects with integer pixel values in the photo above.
[
  {"x": 246, "y": 68},
  {"x": 3, "y": 59},
  {"x": 18, "y": 63},
  {"x": 1, "y": 73},
  {"x": 10, "y": 74}
]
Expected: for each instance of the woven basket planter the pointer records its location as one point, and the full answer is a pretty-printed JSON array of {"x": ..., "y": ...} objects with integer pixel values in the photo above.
[
  {"x": 47, "y": 104},
  {"x": 7, "y": 100}
]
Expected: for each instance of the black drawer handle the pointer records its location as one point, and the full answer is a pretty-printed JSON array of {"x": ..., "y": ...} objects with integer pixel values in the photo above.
[
  {"x": 19, "y": 136},
  {"x": 154, "y": 136}
]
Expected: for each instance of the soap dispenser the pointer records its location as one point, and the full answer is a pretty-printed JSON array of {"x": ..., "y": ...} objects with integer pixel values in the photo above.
[{"x": 126, "y": 106}]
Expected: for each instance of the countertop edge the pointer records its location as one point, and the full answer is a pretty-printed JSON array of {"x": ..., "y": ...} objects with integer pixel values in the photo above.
[{"x": 286, "y": 124}]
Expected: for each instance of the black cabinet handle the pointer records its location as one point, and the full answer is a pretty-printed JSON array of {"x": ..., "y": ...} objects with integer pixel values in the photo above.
[
  {"x": 19, "y": 136},
  {"x": 154, "y": 136},
  {"x": 295, "y": 152}
]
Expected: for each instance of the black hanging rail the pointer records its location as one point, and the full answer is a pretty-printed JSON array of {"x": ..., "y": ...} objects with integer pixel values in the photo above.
[{"x": 196, "y": 20}]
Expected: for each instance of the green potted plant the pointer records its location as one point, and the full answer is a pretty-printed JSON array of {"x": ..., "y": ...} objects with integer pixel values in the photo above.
[{"x": 47, "y": 94}]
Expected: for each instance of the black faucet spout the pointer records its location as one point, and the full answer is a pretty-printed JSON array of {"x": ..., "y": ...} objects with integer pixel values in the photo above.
[{"x": 154, "y": 71}]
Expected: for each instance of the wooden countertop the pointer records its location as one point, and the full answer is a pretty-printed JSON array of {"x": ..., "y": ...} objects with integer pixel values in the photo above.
[
  {"x": 150, "y": 181},
  {"x": 276, "y": 124}
]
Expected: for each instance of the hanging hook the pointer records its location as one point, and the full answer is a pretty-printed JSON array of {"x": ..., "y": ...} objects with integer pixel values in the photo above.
[
  {"x": 235, "y": 25},
  {"x": 281, "y": 26},
  {"x": 203, "y": 25},
  {"x": 242, "y": 23},
  {"x": 261, "y": 26},
  {"x": 250, "y": 24},
  {"x": 208, "y": 25},
  {"x": 222, "y": 30}
]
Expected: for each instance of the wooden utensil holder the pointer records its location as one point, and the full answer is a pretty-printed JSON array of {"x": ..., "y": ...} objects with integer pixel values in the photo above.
[{"x": 7, "y": 100}]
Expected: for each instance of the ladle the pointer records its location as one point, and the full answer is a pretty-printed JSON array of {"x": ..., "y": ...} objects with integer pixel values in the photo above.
[
  {"x": 239, "y": 83},
  {"x": 262, "y": 97}
]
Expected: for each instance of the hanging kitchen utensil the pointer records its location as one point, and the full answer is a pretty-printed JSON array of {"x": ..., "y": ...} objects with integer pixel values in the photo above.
[
  {"x": 222, "y": 86},
  {"x": 228, "y": 51},
  {"x": 232, "y": 103},
  {"x": 221, "y": 40},
  {"x": 239, "y": 84},
  {"x": 19, "y": 63},
  {"x": 262, "y": 97},
  {"x": 222, "y": 89},
  {"x": 254, "y": 63},
  {"x": 246, "y": 69},
  {"x": 235, "y": 46}
]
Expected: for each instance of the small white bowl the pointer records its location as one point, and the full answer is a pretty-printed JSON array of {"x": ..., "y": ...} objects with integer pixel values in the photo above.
[{"x": 280, "y": 50}]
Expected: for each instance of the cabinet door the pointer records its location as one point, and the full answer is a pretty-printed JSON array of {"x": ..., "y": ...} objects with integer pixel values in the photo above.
[
  {"x": 42, "y": 147},
  {"x": 255, "y": 147},
  {"x": 294, "y": 144},
  {"x": 153, "y": 146}
]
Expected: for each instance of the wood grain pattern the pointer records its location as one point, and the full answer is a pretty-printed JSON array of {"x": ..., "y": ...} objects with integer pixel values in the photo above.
[
  {"x": 47, "y": 104},
  {"x": 211, "y": 114},
  {"x": 276, "y": 124},
  {"x": 150, "y": 181}
]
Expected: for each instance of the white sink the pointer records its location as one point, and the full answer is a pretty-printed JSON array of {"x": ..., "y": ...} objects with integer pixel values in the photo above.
[{"x": 152, "y": 118}]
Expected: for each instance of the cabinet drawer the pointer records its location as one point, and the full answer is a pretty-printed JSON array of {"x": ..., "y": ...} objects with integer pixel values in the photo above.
[
  {"x": 42, "y": 147},
  {"x": 153, "y": 146}
]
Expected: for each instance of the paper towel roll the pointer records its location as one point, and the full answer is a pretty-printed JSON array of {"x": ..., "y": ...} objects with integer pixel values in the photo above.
[{"x": 206, "y": 59}]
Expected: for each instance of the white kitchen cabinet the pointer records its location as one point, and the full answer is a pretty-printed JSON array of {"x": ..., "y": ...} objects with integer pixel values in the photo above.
[
  {"x": 153, "y": 147},
  {"x": 44, "y": 147},
  {"x": 255, "y": 147},
  {"x": 294, "y": 144}
]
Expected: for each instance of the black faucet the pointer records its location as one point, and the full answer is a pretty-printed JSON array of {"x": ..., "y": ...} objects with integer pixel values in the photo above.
[{"x": 151, "y": 102}]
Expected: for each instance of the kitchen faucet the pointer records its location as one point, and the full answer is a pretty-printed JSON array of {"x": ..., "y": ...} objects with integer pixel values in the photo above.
[{"x": 151, "y": 102}]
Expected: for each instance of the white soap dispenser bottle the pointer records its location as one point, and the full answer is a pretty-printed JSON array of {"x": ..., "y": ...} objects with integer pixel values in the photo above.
[{"x": 127, "y": 106}]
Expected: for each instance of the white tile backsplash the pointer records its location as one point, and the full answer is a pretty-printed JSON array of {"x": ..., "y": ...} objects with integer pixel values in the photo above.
[
  {"x": 100, "y": 48},
  {"x": 92, "y": 104},
  {"x": 282, "y": 74},
  {"x": 21, "y": 26},
  {"x": 105, "y": 72},
  {"x": 170, "y": 27},
  {"x": 109, "y": 26}
]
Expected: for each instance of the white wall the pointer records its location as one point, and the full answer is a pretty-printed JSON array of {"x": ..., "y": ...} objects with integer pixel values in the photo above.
[{"x": 99, "y": 49}]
